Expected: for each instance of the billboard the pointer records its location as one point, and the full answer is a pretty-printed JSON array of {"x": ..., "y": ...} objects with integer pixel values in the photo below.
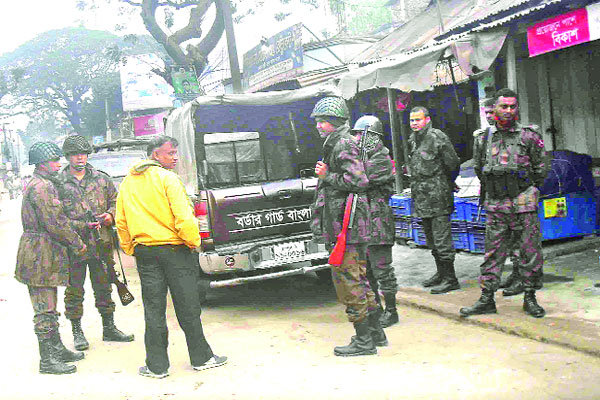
[
  {"x": 185, "y": 83},
  {"x": 143, "y": 89},
  {"x": 275, "y": 59},
  {"x": 149, "y": 124}
]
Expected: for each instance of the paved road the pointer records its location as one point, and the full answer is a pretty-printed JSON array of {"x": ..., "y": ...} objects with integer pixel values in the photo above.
[{"x": 279, "y": 336}]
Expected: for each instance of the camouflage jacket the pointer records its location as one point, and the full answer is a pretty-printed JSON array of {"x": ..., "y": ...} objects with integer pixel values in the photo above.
[
  {"x": 433, "y": 166},
  {"x": 96, "y": 193},
  {"x": 42, "y": 258},
  {"x": 380, "y": 173},
  {"x": 345, "y": 175},
  {"x": 520, "y": 146}
]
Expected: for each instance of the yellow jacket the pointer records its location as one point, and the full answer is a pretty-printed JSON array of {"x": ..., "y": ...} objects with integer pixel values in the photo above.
[{"x": 153, "y": 209}]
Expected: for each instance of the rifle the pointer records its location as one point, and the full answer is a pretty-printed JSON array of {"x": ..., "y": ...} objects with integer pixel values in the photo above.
[
  {"x": 124, "y": 294},
  {"x": 336, "y": 257}
]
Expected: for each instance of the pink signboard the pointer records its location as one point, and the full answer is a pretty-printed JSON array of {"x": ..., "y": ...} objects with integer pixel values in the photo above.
[
  {"x": 149, "y": 124},
  {"x": 559, "y": 32}
]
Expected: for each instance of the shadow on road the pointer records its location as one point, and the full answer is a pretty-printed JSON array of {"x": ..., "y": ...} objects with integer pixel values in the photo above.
[{"x": 290, "y": 292}]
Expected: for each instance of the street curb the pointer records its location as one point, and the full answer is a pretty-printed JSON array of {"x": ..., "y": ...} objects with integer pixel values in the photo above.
[
  {"x": 557, "y": 250},
  {"x": 520, "y": 325}
]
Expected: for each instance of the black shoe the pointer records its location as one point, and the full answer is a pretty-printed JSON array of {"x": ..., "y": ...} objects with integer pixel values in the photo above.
[
  {"x": 514, "y": 289},
  {"x": 435, "y": 280},
  {"x": 389, "y": 316},
  {"x": 447, "y": 285},
  {"x": 485, "y": 305},
  {"x": 79, "y": 340},
  {"x": 449, "y": 281},
  {"x": 49, "y": 361},
  {"x": 64, "y": 354},
  {"x": 530, "y": 305},
  {"x": 362, "y": 345},
  {"x": 508, "y": 282},
  {"x": 110, "y": 333}
]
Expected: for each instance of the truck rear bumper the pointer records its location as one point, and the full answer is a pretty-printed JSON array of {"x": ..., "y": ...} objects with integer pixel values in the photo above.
[{"x": 264, "y": 277}]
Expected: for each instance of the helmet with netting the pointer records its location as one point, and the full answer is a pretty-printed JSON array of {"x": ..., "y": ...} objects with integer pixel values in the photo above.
[
  {"x": 77, "y": 144},
  {"x": 331, "y": 107},
  {"x": 43, "y": 151},
  {"x": 369, "y": 122}
]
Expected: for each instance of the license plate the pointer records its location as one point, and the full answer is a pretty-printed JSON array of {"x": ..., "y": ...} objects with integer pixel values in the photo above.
[{"x": 288, "y": 250}]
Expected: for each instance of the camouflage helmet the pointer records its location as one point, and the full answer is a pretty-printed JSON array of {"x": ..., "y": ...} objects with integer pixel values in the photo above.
[
  {"x": 43, "y": 151},
  {"x": 331, "y": 107},
  {"x": 76, "y": 144},
  {"x": 369, "y": 122}
]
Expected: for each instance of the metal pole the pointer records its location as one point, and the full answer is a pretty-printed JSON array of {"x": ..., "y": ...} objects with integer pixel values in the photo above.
[
  {"x": 511, "y": 65},
  {"x": 234, "y": 63},
  {"x": 395, "y": 150},
  {"x": 439, "y": 11},
  {"x": 108, "y": 132}
]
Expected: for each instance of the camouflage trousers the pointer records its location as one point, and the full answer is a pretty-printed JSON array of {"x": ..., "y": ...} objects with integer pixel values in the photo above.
[
  {"x": 438, "y": 235},
  {"x": 45, "y": 316},
  {"x": 499, "y": 231},
  {"x": 74, "y": 292},
  {"x": 351, "y": 284},
  {"x": 379, "y": 264}
]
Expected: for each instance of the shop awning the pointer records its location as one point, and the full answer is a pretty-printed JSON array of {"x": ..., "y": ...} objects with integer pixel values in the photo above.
[{"x": 418, "y": 71}]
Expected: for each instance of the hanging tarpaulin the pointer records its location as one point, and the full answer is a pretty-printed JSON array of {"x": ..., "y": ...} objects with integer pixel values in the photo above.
[
  {"x": 477, "y": 51},
  {"x": 415, "y": 71},
  {"x": 566, "y": 30}
]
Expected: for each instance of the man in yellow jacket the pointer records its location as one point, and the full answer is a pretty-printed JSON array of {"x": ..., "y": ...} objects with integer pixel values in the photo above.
[{"x": 155, "y": 223}]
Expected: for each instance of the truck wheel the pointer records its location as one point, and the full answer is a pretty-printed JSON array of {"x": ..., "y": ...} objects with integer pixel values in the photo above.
[{"x": 324, "y": 275}]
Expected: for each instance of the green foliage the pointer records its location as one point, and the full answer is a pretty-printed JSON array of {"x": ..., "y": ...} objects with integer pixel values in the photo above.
[{"x": 368, "y": 16}]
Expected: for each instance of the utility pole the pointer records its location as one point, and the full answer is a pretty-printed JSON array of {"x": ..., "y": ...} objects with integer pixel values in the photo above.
[
  {"x": 439, "y": 11},
  {"x": 234, "y": 63},
  {"x": 108, "y": 132}
]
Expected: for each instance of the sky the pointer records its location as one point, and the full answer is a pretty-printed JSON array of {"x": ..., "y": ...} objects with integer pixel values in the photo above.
[{"x": 18, "y": 23}]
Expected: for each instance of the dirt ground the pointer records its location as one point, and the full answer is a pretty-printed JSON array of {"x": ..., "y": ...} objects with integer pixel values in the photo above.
[{"x": 279, "y": 337}]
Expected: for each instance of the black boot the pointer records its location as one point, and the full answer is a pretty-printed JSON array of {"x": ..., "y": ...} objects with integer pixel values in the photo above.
[
  {"x": 485, "y": 305},
  {"x": 79, "y": 340},
  {"x": 514, "y": 289},
  {"x": 377, "y": 332},
  {"x": 530, "y": 305},
  {"x": 64, "y": 354},
  {"x": 508, "y": 282},
  {"x": 449, "y": 281},
  {"x": 110, "y": 333},
  {"x": 361, "y": 345},
  {"x": 390, "y": 314},
  {"x": 436, "y": 279},
  {"x": 49, "y": 362}
]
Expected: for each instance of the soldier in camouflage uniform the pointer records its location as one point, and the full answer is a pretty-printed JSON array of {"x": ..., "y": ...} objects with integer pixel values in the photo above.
[
  {"x": 512, "y": 284},
  {"x": 85, "y": 190},
  {"x": 341, "y": 173},
  {"x": 434, "y": 166},
  {"x": 42, "y": 257},
  {"x": 380, "y": 173},
  {"x": 511, "y": 162}
]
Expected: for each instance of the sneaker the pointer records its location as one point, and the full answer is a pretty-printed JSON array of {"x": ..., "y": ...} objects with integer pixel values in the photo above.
[
  {"x": 213, "y": 362},
  {"x": 145, "y": 371}
]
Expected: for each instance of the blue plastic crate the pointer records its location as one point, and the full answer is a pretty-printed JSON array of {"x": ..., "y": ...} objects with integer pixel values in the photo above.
[
  {"x": 401, "y": 205},
  {"x": 470, "y": 209},
  {"x": 476, "y": 237},
  {"x": 460, "y": 235},
  {"x": 458, "y": 214},
  {"x": 403, "y": 228},
  {"x": 578, "y": 220}
]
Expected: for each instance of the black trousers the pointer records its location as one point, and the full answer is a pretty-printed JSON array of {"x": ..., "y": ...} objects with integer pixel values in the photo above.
[{"x": 176, "y": 269}]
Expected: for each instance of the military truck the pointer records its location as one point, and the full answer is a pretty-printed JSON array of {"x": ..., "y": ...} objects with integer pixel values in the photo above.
[{"x": 247, "y": 160}]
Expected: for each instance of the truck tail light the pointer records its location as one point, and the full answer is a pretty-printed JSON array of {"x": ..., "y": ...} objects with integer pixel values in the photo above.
[{"x": 201, "y": 212}]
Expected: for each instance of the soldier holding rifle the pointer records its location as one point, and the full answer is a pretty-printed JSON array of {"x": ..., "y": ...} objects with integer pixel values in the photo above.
[
  {"x": 341, "y": 202},
  {"x": 86, "y": 190}
]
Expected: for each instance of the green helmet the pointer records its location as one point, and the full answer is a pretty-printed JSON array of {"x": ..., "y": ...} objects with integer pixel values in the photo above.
[
  {"x": 76, "y": 144},
  {"x": 43, "y": 151},
  {"x": 369, "y": 122},
  {"x": 331, "y": 107}
]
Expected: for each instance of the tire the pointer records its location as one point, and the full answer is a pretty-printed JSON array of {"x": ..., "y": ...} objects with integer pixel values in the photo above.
[{"x": 324, "y": 275}]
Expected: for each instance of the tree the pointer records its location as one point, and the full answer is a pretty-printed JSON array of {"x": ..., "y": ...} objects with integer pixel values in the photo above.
[{"x": 61, "y": 73}]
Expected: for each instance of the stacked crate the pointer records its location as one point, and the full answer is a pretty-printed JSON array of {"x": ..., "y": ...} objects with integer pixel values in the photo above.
[
  {"x": 475, "y": 220},
  {"x": 402, "y": 208}
]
